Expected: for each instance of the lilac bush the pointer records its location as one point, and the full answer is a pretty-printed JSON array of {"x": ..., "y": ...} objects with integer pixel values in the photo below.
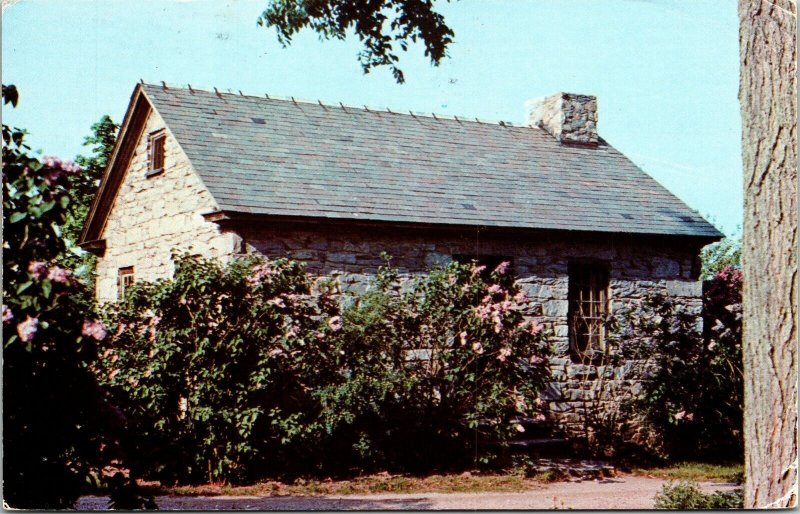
[{"x": 236, "y": 372}]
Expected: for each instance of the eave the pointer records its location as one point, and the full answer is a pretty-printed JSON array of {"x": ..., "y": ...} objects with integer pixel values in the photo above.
[
  {"x": 129, "y": 134},
  {"x": 233, "y": 219}
]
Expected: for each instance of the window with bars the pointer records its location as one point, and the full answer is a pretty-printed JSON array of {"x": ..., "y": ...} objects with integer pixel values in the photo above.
[
  {"x": 588, "y": 307},
  {"x": 156, "y": 150},
  {"x": 124, "y": 281}
]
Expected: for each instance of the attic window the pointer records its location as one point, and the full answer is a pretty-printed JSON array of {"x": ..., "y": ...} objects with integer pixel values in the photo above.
[{"x": 156, "y": 151}]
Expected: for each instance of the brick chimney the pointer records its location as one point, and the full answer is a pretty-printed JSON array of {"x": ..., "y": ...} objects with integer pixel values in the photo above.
[{"x": 570, "y": 118}]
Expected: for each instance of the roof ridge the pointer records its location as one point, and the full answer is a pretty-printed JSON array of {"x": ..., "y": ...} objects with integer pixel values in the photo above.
[{"x": 339, "y": 105}]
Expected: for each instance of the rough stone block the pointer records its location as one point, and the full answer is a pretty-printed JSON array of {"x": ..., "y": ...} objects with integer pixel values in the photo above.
[
  {"x": 679, "y": 288},
  {"x": 555, "y": 308}
]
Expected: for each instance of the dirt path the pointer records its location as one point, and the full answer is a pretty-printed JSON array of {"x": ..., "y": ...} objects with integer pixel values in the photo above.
[{"x": 624, "y": 492}]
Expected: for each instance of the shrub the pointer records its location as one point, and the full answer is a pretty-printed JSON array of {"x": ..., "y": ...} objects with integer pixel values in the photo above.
[
  {"x": 429, "y": 373},
  {"x": 686, "y": 495},
  {"x": 235, "y": 372},
  {"x": 57, "y": 428},
  {"x": 691, "y": 396},
  {"x": 212, "y": 365}
]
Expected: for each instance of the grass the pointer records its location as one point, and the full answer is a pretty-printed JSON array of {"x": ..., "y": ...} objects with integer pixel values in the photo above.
[
  {"x": 379, "y": 483},
  {"x": 695, "y": 471}
]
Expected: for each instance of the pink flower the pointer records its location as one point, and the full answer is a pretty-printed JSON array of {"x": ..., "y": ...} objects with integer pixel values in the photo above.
[
  {"x": 536, "y": 359},
  {"x": 463, "y": 336},
  {"x": 261, "y": 271},
  {"x": 534, "y": 327},
  {"x": 56, "y": 163},
  {"x": 50, "y": 161},
  {"x": 52, "y": 175},
  {"x": 539, "y": 417},
  {"x": 95, "y": 329},
  {"x": 477, "y": 270},
  {"x": 494, "y": 289},
  {"x": 59, "y": 275},
  {"x": 8, "y": 316},
  {"x": 502, "y": 268},
  {"x": 519, "y": 428},
  {"x": 277, "y": 302},
  {"x": 680, "y": 415},
  {"x": 335, "y": 323},
  {"x": 27, "y": 329},
  {"x": 37, "y": 269},
  {"x": 70, "y": 167},
  {"x": 504, "y": 353},
  {"x": 477, "y": 347},
  {"x": 275, "y": 352},
  {"x": 520, "y": 297}
]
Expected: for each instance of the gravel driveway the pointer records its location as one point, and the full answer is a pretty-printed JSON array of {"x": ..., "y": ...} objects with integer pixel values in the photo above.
[{"x": 624, "y": 492}]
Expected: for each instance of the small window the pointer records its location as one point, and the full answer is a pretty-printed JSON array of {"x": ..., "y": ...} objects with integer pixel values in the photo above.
[
  {"x": 156, "y": 151},
  {"x": 490, "y": 261},
  {"x": 124, "y": 281},
  {"x": 588, "y": 307}
]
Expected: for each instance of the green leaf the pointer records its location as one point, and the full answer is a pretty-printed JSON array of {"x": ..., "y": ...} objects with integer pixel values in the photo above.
[
  {"x": 47, "y": 288},
  {"x": 17, "y": 216},
  {"x": 22, "y": 287}
]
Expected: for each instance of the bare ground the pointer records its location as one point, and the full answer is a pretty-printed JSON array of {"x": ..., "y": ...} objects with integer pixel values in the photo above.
[{"x": 621, "y": 492}]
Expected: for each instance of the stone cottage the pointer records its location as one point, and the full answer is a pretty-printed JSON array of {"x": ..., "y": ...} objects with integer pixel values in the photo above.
[{"x": 224, "y": 174}]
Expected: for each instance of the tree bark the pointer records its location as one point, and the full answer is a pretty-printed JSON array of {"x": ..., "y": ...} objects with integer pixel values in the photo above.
[{"x": 767, "y": 93}]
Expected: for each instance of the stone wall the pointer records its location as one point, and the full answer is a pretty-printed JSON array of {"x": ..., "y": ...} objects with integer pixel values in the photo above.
[
  {"x": 637, "y": 267},
  {"x": 152, "y": 215}
]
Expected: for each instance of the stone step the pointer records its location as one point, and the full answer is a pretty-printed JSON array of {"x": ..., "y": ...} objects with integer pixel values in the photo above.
[
  {"x": 542, "y": 446},
  {"x": 574, "y": 469}
]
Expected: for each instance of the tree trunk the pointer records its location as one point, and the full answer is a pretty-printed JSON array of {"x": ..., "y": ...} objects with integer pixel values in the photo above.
[{"x": 768, "y": 98}]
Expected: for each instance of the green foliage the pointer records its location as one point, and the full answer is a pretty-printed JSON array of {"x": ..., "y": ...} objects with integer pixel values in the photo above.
[
  {"x": 692, "y": 392},
  {"x": 211, "y": 368},
  {"x": 717, "y": 256},
  {"x": 433, "y": 370},
  {"x": 686, "y": 495},
  {"x": 57, "y": 431},
  {"x": 238, "y": 372},
  {"x": 83, "y": 187},
  {"x": 380, "y": 25}
]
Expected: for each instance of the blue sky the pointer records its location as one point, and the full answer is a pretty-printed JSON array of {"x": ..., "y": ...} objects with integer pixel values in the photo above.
[{"x": 665, "y": 72}]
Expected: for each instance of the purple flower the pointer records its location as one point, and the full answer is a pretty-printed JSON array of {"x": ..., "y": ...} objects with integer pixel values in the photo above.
[
  {"x": 57, "y": 164},
  {"x": 335, "y": 323},
  {"x": 52, "y": 175},
  {"x": 27, "y": 329},
  {"x": 95, "y": 329},
  {"x": 502, "y": 268},
  {"x": 71, "y": 168},
  {"x": 8, "y": 316},
  {"x": 51, "y": 162},
  {"x": 494, "y": 289},
  {"x": 38, "y": 269},
  {"x": 59, "y": 275}
]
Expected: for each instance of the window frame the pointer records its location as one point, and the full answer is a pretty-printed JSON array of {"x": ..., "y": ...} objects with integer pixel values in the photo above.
[
  {"x": 594, "y": 278},
  {"x": 156, "y": 141},
  {"x": 125, "y": 280}
]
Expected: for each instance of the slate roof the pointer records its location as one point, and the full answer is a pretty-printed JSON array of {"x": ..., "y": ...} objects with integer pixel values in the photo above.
[{"x": 279, "y": 157}]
